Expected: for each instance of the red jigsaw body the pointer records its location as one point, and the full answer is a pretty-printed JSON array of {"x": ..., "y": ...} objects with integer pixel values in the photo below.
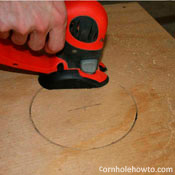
[{"x": 23, "y": 58}]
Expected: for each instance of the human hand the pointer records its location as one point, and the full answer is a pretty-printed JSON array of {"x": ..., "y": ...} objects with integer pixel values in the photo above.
[{"x": 37, "y": 20}]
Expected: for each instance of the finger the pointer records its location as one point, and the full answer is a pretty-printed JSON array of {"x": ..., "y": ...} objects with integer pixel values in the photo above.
[
  {"x": 56, "y": 40},
  {"x": 4, "y": 35},
  {"x": 18, "y": 38},
  {"x": 37, "y": 40}
]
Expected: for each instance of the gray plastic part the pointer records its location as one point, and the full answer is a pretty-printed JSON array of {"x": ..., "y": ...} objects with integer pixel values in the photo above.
[{"x": 89, "y": 66}]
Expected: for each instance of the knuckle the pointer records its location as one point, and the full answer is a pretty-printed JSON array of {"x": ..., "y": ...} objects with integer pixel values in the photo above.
[
  {"x": 61, "y": 19},
  {"x": 23, "y": 28},
  {"x": 64, "y": 19},
  {"x": 42, "y": 27},
  {"x": 22, "y": 31}
]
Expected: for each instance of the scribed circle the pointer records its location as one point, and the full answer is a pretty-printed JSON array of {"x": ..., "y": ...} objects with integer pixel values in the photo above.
[{"x": 83, "y": 119}]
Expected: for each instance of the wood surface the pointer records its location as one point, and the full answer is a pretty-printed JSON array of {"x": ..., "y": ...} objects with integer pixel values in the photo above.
[{"x": 76, "y": 131}]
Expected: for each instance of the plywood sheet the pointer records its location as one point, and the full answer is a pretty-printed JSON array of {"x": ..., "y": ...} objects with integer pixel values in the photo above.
[{"x": 98, "y": 126}]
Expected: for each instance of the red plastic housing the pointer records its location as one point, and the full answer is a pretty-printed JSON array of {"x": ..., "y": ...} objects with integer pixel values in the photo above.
[
  {"x": 94, "y": 10},
  {"x": 23, "y": 58}
]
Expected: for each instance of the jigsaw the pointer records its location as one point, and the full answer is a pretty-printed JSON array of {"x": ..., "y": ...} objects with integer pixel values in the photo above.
[{"x": 79, "y": 64}]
